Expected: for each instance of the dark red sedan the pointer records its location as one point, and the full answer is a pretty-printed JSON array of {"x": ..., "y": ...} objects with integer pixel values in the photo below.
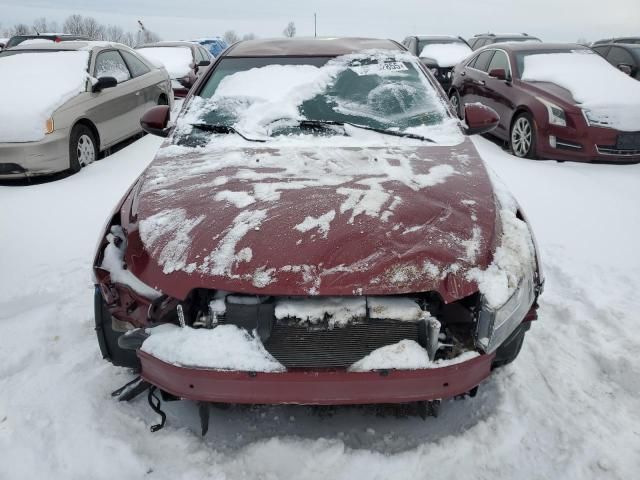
[
  {"x": 555, "y": 101},
  {"x": 316, "y": 229}
]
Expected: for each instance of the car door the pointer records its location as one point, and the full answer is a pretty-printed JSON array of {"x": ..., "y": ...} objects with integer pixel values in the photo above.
[
  {"x": 497, "y": 93},
  {"x": 147, "y": 91},
  {"x": 474, "y": 76},
  {"x": 113, "y": 108}
]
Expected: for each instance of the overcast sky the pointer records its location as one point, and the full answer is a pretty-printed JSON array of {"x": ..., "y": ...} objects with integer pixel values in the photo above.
[{"x": 560, "y": 20}]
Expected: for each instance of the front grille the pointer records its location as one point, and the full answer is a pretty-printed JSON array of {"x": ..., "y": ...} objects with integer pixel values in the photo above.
[
  {"x": 298, "y": 346},
  {"x": 11, "y": 168}
]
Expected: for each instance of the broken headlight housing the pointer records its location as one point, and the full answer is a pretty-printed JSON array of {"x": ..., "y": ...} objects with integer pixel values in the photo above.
[{"x": 496, "y": 324}]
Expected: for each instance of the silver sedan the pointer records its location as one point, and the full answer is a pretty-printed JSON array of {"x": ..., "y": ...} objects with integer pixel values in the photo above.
[{"x": 50, "y": 129}]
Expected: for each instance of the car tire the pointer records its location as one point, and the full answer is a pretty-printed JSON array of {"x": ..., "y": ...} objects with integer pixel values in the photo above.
[
  {"x": 83, "y": 148},
  {"x": 456, "y": 103},
  {"x": 523, "y": 136},
  {"x": 510, "y": 348},
  {"x": 108, "y": 337}
]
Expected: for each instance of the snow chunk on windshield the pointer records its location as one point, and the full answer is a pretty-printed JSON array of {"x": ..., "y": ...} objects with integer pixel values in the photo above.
[
  {"x": 405, "y": 355},
  {"x": 226, "y": 347},
  {"x": 608, "y": 96},
  {"x": 32, "y": 86},
  {"x": 177, "y": 60},
  {"x": 446, "y": 54}
]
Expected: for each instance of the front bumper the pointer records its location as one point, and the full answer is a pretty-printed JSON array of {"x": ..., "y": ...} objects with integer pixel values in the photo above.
[
  {"x": 46, "y": 156},
  {"x": 588, "y": 144},
  {"x": 311, "y": 387}
]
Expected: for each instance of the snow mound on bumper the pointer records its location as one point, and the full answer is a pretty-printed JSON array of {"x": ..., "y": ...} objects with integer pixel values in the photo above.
[{"x": 226, "y": 347}]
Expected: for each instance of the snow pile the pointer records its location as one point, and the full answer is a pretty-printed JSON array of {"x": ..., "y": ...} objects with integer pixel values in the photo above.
[
  {"x": 513, "y": 259},
  {"x": 33, "y": 86},
  {"x": 405, "y": 355},
  {"x": 445, "y": 54},
  {"x": 338, "y": 310},
  {"x": 113, "y": 262},
  {"x": 608, "y": 96},
  {"x": 226, "y": 347},
  {"x": 397, "y": 308},
  {"x": 176, "y": 60}
]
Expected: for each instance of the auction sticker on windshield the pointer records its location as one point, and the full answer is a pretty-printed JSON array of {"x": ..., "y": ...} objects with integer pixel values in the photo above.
[{"x": 377, "y": 67}]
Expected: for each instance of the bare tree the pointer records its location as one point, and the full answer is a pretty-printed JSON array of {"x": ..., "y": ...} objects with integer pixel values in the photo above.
[
  {"x": 73, "y": 24},
  {"x": 249, "y": 36},
  {"x": 113, "y": 33},
  {"x": 92, "y": 28},
  {"x": 21, "y": 29},
  {"x": 230, "y": 36},
  {"x": 129, "y": 39},
  {"x": 290, "y": 30}
]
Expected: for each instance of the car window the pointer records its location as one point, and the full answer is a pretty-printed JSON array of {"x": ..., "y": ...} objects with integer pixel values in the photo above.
[
  {"x": 602, "y": 50},
  {"x": 500, "y": 60},
  {"x": 136, "y": 66},
  {"x": 482, "y": 61},
  {"x": 618, "y": 55},
  {"x": 111, "y": 64},
  {"x": 198, "y": 55}
]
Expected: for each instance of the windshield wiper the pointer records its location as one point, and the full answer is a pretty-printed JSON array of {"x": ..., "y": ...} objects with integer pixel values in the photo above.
[
  {"x": 395, "y": 133},
  {"x": 207, "y": 127}
]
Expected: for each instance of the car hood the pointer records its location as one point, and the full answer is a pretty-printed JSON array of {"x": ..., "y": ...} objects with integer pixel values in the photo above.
[{"x": 305, "y": 221}]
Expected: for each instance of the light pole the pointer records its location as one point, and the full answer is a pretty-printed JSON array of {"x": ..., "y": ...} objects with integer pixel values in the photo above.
[{"x": 315, "y": 25}]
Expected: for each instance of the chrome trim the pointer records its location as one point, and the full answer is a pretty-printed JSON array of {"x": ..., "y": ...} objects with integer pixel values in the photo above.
[
  {"x": 568, "y": 145},
  {"x": 602, "y": 150}
]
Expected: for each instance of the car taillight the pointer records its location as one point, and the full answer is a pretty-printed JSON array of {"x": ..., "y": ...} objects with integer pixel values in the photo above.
[{"x": 57, "y": 40}]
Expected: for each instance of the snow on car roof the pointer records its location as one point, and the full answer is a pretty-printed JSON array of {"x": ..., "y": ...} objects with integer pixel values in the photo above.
[{"x": 71, "y": 45}]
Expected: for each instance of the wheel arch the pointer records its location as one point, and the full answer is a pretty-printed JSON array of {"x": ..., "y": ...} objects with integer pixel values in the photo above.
[{"x": 91, "y": 126}]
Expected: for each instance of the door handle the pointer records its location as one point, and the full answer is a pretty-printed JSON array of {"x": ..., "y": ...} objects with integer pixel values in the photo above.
[
  {"x": 138, "y": 93},
  {"x": 463, "y": 73}
]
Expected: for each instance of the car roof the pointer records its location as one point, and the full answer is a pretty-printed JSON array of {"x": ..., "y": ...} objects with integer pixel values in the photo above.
[
  {"x": 173, "y": 43},
  {"x": 529, "y": 46},
  {"x": 310, "y": 46},
  {"x": 72, "y": 45},
  {"x": 436, "y": 37}
]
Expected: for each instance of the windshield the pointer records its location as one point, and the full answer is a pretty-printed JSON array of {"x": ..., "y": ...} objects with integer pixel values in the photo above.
[{"x": 271, "y": 96}]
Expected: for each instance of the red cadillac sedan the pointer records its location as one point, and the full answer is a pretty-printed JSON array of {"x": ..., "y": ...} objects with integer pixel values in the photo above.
[
  {"x": 555, "y": 101},
  {"x": 318, "y": 229}
]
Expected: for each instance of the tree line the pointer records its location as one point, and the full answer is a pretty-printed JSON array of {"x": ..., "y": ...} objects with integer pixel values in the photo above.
[{"x": 88, "y": 26}]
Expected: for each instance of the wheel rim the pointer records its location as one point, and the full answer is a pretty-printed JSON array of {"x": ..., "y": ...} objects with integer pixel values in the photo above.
[
  {"x": 456, "y": 104},
  {"x": 521, "y": 137},
  {"x": 86, "y": 150}
]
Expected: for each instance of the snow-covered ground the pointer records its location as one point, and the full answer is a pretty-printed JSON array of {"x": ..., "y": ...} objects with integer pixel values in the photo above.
[{"x": 568, "y": 408}]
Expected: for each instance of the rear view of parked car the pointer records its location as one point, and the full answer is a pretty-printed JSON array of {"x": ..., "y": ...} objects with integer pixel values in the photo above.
[
  {"x": 184, "y": 61},
  {"x": 625, "y": 57},
  {"x": 439, "y": 54},
  {"x": 555, "y": 101},
  {"x": 72, "y": 101},
  {"x": 45, "y": 37},
  {"x": 484, "y": 39}
]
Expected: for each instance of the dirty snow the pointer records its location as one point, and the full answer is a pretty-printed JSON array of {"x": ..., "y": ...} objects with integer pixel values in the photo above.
[
  {"x": 340, "y": 310},
  {"x": 608, "y": 96},
  {"x": 46, "y": 82},
  {"x": 398, "y": 308},
  {"x": 446, "y": 54},
  {"x": 567, "y": 408},
  {"x": 176, "y": 60},
  {"x": 226, "y": 347}
]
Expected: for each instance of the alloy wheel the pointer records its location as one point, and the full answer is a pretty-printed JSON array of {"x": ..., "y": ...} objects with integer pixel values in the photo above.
[
  {"x": 521, "y": 137},
  {"x": 86, "y": 150}
]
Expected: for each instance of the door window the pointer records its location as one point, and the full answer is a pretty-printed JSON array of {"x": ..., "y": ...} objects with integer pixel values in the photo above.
[
  {"x": 482, "y": 61},
  {"x": 500, "y": 60},
  {"x": 619, "y": 55},
  {"x": 111, "y": 64},
  {"x": 136, "y": 66}
]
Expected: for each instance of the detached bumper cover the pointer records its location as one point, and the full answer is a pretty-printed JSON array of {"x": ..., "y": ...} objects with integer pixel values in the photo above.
[{"x": 316, "y": 387}]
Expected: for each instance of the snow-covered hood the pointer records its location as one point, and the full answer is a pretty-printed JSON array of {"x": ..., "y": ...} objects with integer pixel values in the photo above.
[
  {"x": 304, "y": 221},
  {"x": 445, "y": 54}
]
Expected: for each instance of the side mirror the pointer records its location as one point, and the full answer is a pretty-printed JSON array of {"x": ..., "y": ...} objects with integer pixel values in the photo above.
[
  {"x": 204, "y": 63},
  {"x": 104, "y": 82},
  {"x": 480, "y": 118},
  {"x": 625, "y": 68},
  {"x": 498, "y": 73},
  {"x": 155, "y": 121}
]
